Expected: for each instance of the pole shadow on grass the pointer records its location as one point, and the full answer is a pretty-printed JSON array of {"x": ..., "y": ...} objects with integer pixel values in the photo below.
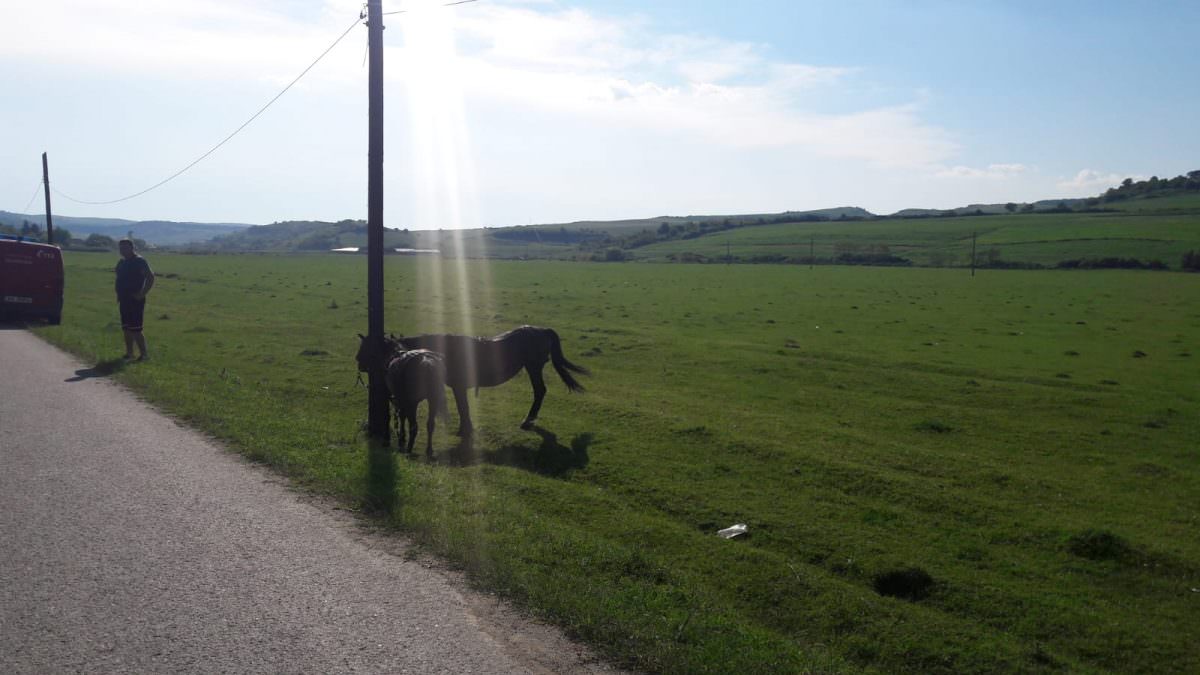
[
  {"x": 548, "y": 458},
  {"x": 379, "y": 497},
  {"x": 101, "y": 369}
]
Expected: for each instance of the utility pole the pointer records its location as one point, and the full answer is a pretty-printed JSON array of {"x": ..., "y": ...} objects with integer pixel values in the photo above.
[
  {"x": 46, "y": 183},
  {"x": 377, "y": 395},
  {"x": 973, "y": 234}
]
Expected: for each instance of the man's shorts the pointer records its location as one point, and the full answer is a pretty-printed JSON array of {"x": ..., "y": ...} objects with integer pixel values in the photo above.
[{"x": 132, "y": 310}]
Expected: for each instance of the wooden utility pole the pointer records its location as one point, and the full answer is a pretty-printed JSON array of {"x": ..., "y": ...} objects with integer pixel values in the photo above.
[
  {"x": 377, "y": 401},
  {"x": 46, "y": 183}
]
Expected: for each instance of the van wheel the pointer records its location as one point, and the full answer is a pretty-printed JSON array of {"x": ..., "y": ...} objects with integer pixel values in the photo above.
[{"x": 55, "y": 319}]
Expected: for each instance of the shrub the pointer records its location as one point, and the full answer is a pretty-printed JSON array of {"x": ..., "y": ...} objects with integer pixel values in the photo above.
[
  {"x": 1099, "y": 545},
  {"x": 1110, "y": 263},
  {"x": 910, "y": 583},
  {"x": 611, "y": 255}
]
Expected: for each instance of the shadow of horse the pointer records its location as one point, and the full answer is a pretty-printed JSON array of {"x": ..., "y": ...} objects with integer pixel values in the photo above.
[
  {"x": 548, "y": 458},
  {"x": 101, "y": 369}
]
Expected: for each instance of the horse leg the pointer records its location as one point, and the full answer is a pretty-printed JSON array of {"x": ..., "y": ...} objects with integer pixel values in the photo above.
[
  {"x": 401, "y": 426},
  {"x": 411, "y": 412},
  {"x": 539, "y": 393},
  {"x": 464, "y": 412}
]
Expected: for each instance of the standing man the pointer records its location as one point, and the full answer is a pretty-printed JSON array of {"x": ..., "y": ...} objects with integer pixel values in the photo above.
[{"x": 134, "y": 281}]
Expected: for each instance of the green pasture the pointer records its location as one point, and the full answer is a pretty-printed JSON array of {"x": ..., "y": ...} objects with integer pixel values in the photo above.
[
  {"x": 1164, "y": 233},
  {"x": 1170, "y": 203},
  {"x": 939, "y": 473}
]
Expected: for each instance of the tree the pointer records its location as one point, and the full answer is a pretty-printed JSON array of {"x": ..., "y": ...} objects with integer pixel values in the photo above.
[
  {"x": 62, "y": 236},
  {"x": 31, "y": 230},
  {"x": 96, "y": 240},
  {"x": 1010, "y": 207}
]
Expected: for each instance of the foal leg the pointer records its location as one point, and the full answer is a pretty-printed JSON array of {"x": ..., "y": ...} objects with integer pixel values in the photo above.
[
  {"x": 401, "y": 425},
  {"x": 539, "y": 393}
]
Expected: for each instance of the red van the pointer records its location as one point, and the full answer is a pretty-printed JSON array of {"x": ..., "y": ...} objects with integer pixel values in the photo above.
[{"x": 31, "y": 279}]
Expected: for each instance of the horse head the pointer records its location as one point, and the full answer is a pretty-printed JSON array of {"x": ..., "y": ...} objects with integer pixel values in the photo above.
[
  {"x": 370, "y": 352},
  {"x": 366, "y": 353}
]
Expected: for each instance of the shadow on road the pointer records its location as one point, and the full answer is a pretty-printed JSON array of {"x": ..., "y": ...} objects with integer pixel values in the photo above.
[{"x": 102, "y": 369}]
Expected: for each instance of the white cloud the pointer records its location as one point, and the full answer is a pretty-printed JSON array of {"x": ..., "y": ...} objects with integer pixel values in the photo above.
[
  {"x": 722, "y": 92},
  {"x": 617, "y": 71},
  {"x": 181, "y": 39},
  {"x": 1091, "y": 181},
  {"x": 991, "y": 172}
]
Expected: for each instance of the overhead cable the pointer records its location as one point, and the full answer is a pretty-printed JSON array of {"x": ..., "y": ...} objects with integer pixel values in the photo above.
[
  {"x": 448, "y": 4},
  {"x": 30, "y": 202},
  {"x": 227, "y": 138}
]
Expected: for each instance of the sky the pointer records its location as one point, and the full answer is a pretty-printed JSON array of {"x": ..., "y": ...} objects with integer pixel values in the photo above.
[{"x": 513, "y": 112}]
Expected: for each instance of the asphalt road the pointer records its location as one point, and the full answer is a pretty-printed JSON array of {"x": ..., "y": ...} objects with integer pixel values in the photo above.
[{"x": 129, "y": 543}]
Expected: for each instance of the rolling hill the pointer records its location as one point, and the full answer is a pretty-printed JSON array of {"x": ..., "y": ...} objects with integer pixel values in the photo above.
[{"x": 157, "y": 232}]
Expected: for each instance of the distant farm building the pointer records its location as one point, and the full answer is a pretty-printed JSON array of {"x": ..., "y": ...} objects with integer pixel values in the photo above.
[{"x": 397, "y": 251}]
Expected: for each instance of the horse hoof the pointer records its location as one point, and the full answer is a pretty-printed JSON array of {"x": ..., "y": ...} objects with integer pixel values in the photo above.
[{"x": 527, "y": 425}]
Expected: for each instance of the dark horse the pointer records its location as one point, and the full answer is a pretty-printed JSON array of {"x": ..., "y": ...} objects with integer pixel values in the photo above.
[
  {"x": 473, "y": 362},
  {"x": 412, "y": 376}
]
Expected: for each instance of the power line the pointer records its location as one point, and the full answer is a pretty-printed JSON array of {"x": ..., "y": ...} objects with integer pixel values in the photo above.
[
  {"x": 227, "y": 138},
  {"x": 29, "y": 203},
  {"x": 448, "y": 4}
]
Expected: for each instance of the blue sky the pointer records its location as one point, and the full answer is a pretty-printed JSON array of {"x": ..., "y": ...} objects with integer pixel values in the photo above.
[{"x": 505, "y": 112}]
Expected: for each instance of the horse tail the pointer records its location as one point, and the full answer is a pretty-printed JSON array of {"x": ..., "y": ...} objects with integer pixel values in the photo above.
[{"x": 563, "y": 366}]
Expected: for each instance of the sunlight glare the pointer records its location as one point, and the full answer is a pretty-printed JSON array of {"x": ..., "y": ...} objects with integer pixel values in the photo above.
[{"x": 442, "y": 169}]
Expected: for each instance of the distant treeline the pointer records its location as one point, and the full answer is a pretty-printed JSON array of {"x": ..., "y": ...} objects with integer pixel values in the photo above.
[
  {"x": 698, "y": 227},
  {"x": 1154, "y": 186},
  {"x": 63, "y": 238},
  {"x": 1190, "y": 262}
]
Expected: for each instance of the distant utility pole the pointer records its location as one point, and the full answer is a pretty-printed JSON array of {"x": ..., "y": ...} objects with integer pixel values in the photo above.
[
  {"x": 973, "y": 253},
  {"x": 377, "y": 394},
  {"x": 46, "y": 183}
]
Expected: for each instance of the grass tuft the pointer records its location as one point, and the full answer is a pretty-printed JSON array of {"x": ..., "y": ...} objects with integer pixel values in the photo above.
[{"x": 934, "y": 426}]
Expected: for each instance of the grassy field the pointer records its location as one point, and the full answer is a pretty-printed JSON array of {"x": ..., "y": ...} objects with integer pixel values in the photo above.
[
  {"x": 939, "y": 473},
  {"x": 1158, "y": 229},
  {"x": 1041, "y": 239}
]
